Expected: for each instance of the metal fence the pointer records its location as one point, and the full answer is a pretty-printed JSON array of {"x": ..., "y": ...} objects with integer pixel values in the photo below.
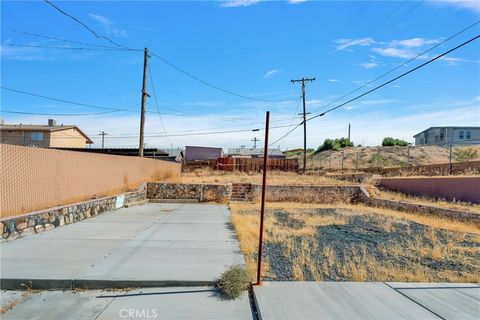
[
  {"x": 379, "y": 158},
  {"x": 243, "y": 164},
  {"x": 36, "y": 178}
]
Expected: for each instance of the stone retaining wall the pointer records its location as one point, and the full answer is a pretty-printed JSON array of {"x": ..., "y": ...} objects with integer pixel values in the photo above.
[
  {"x": 464, "y": 216},
  {"x": 43, "y": 220},
  {"x": 200, "y": 192},
  {"x": 308, "y": 193}
]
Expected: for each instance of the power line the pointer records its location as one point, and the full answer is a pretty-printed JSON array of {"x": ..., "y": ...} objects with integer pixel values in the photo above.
[
  {"x": 156, "y": 102},
  {"x": 65, "y": 101},
  {"x": 407, "y": 13},
  {"x": 116, "y": 109},
  {"x": 402, "y": 64},
  {"x": 209, "y": 133},
  {"x": 397, "y": 77},
  {"x": 86, "y": 27},
  {"x": 383, "y": 84},
  {"x": 62, "y": 40},
  {"x": 62, "y": 48},
  {"x": 57, "y": 114},
  {"x": 207, "y": 83},
  {"x": 211, "y": 85}
]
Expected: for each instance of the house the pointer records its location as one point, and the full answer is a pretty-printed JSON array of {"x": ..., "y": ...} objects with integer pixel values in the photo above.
[
  {"x": 448, "y": 135},
  {"x": 193, "y": 153},
  {"x": 254, "y": 153},
  {"x": 50, "y": 135}
]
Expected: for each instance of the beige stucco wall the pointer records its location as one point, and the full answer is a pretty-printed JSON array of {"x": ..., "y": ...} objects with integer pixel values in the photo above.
[
  {"x": 67, "y": 138},
  {"x": 36, "y": 178}
]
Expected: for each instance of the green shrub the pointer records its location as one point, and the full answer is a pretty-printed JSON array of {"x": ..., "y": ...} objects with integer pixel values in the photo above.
[
  {"x": 233, "y": 282},
  {"x": 465, "y": 154},
  {"x": 337, "y": 144},
  {"x": 389, "y": 142}
]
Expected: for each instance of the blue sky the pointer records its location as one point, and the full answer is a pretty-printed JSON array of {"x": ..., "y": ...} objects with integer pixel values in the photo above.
[{"x": 249, "y": 47}]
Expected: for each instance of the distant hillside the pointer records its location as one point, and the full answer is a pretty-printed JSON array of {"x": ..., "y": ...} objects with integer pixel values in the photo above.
[{"x": 389, "y": 156}]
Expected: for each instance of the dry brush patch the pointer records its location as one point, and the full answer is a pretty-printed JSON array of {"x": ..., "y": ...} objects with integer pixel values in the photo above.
[
  {"x": 357, "y": 243},
  {"x": 210, "y": 176}
]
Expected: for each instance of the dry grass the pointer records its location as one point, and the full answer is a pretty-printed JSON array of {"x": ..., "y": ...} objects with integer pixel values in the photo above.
[
  {"x": 384, "y": 156},
  {"x": 355, "y": 262},
  {"x": 274, "y": 178},
  {"x": 391, "y": 195}
]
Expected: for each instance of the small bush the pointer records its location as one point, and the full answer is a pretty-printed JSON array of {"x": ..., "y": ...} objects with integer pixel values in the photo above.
[
  {"x": 330, "y": 144},
  {"x": 233, "y": 282},
  {"x": 390, "y": 142},
  {"x": 465, "y": 154}
]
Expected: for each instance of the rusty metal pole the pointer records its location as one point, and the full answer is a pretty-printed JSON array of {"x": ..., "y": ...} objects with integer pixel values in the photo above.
[
  {"x": 262, "y": 208},
  {"x": 141, "y": 144}
]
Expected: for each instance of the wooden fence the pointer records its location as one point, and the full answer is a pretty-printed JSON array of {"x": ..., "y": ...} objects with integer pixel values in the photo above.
[{"x": 243, "y": 164}]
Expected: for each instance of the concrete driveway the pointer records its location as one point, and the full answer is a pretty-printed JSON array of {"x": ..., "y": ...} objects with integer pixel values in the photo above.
[{"x": 152, "y": 245}]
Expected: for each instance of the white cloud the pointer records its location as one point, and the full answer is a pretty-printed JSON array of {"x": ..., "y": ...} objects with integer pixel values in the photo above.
[
  {"x": 296, "y": 1},
  {"x": 333, "y": 80},
  {"x": 108, "y": 25},
  {"x": 342, "y": 44},
  {"x": 271, "y": 73},
  {"x": 377, "y": 102},
  {"x": 414, "y": 42},
  {"x": 369, "y": 65},
  {"x": 394, "y": 52},
  {"x": 238, "y": 3},
  {"x": 464, "y": 4}
]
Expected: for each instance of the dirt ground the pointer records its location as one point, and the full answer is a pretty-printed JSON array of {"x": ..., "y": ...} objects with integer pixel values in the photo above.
[
  {"x": 357, "y": 243},
  {"x": 384, "y": 156},
  {"x": 273, "y": 177}
]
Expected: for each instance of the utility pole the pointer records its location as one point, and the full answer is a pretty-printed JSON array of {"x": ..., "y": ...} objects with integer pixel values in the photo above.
[
  {"x": 255, "y": 142},
  {"x": 103, "y": 134},
  {"x": 304, "y": 120},
  {"x": 144, "y": 96},
  {"x": 349, "y": 127},
  {"x": 262, "y": 205}
]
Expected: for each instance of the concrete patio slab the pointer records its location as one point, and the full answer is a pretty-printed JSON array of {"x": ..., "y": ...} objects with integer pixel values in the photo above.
[
  {"x": 449, "y": 301},
  {"x": 154, "y": 303},
  {"x": 181, "y": 243},
  {"x": 334, "y": 300},
  {"x": 179, "y": 303},
  {"x": 56, "y": 305}
]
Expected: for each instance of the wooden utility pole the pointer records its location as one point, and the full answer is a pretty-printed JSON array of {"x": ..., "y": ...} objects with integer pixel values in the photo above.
[
  {"x": 255, "y": 142},
  {"x": 349, "y": 127},
  {"x": 103, "y": 134},
  {"x": 304, "y": 120},
  {"x": 144, "y": 97},
  {"x": 262, "y": 208}
]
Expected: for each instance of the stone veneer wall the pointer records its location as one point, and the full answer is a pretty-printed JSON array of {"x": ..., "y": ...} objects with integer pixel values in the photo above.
[
  {"x": 43, "y": 220},
  {"x": 308, "y": 193},
  {"x": 200, "y": 192}
]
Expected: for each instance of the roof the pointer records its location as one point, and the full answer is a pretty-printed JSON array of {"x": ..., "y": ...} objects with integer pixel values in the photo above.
[
  {"x": 147, "y": 152},
  {"x": 40, "y": 127},
  {"x": 202, "y": 153},
  {"x": 253, "y": 151},
  {"x": 447, "y": 127}
]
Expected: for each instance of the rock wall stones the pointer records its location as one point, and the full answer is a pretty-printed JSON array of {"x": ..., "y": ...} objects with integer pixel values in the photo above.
[
  {"x": 308, "y": 193},
  {"x": 200, "y": 192},
  {"x": 39, "y": 221}
]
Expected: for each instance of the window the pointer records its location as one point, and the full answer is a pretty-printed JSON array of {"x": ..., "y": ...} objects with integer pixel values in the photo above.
[
  {"x": 36, "y": 136},
  {"x": 461, "y": 135},
  {"x": 468, "y": 135}
]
